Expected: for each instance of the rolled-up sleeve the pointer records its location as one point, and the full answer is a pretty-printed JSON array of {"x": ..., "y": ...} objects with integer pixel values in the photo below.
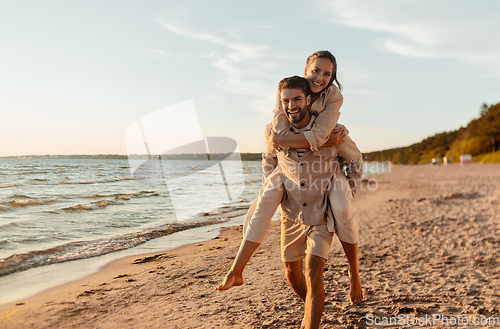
[
  {"x": 280, "y": 123},
  {"x": 269, "y": 156}
]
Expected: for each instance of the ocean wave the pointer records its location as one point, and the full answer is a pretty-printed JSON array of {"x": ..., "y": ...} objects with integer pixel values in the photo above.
[
  {"x": 254, "y": 181},
  {"x": 95, "y": 196},
  {"x": 87, "y": 249},
  {"x": 227, "y": 211},
  {"x": 67, "y": 166},
  {"x": 24, "y": 203},
  {"x": 3, "y": 243},
  {"x": 90, "y": 206},
  {"x": 124, "y": 196},
  {"x": 55, "y": 212},
  {"x": 33, "y": 172},
  {"x": 19, "y": 196},
  {"x": 91, "y": 181},
  {"x": 9, "y": 225},
  {"x": 9, "y": 185}
]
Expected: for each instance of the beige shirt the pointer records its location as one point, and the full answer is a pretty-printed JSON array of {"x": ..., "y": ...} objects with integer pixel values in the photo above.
[
  {"x": 327, "y": 111},
  {"x": 307, "y": 181}
]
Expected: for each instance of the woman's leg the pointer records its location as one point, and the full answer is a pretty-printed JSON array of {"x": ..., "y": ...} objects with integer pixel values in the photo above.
[
  {"x": 356, "y": 291},
  {"x": 235, "y": 275},
  {"x": 347, "y": 231},
  {"x": 258, "y": 218},
  {"x": 256, "y": 227},
  {"x": 340, "y": 197}
]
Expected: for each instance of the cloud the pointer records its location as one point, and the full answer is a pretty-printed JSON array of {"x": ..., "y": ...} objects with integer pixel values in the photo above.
[
  {"x": 187, "y": 33},
  {"x": 159, "y": 53},
  {"x": 466, "y": 31},
  {"x": 245, "y": 65},
  {"x": 162, "y": 53}
]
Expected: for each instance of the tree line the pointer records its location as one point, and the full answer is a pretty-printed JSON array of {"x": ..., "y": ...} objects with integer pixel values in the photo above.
[{"x": 480, "y": 138}]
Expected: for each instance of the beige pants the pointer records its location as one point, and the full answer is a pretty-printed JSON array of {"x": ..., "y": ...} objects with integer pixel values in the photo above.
[{"x": 340, "y": 218}]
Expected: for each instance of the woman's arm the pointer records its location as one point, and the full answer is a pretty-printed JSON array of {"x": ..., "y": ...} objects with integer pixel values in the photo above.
[
  {"x": 328, "y": 109},
  {"x": 269, "y": 157},
  {"x": 337, "y": 137},
  {"x": 280, "y": 123}
]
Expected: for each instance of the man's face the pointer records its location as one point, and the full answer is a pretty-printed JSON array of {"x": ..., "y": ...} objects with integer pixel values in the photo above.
[{"x": 295, "y": 104}]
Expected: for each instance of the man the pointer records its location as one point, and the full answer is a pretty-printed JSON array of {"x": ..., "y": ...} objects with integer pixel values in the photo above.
[
  {"x": 306, "y": 177},
  {"x": 307, "y": 180}
]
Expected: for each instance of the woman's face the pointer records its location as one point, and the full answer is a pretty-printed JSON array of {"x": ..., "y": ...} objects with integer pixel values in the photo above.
[{"x": 319, "y": 73}]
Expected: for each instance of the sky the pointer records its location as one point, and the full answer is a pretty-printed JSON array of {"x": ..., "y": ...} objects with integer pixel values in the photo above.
[{"x": 75, "y": 75}]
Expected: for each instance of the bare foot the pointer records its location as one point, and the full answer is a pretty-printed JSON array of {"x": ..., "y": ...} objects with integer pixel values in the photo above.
[
  {"x": 231, "y": 279},
  {"x": 356, "y": 292}
]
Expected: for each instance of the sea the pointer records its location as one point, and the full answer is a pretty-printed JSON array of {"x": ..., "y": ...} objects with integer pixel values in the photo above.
[{"x": 63, "y": 219}]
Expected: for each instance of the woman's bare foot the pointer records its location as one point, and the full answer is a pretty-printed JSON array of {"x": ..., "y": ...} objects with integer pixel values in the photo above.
[
  {"x": 356, "y": 292},
  {"x": 231, "y": 279}
]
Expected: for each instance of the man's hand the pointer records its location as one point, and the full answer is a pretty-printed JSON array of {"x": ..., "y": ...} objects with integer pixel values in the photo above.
[{"x": 337, "y": 137}]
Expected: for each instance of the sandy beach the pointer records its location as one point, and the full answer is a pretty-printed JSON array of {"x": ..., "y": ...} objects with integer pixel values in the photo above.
[{"x": 429, "y": 241}]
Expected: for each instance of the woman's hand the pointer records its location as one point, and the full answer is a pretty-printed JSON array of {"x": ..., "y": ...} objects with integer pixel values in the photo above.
[
  {"x": 272, "y": 141},
  {"x": 337, "y": 137}
]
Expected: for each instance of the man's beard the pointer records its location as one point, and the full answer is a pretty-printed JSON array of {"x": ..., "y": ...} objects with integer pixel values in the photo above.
[{"x": 302, "y": 114}]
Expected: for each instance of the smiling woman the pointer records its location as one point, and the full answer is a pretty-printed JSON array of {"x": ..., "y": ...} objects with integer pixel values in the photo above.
[
  {"x": 321, "y": 70},
  {"x": 321, "y": 73},
  {"x": 319, "y": 212}
]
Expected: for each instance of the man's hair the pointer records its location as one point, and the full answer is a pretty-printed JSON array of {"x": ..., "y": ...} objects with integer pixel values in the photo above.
[{"x": 295, "y": 82}]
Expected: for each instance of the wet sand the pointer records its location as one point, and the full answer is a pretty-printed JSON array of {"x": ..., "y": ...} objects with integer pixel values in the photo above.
[{"x": 429, "y": 241}]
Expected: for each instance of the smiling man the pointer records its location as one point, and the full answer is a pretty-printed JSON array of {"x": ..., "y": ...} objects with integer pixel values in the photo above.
[
  {"x": 304, "y": 182},
  {"x": 293, "y": 106},
  {"x": 307, "y": 178}
]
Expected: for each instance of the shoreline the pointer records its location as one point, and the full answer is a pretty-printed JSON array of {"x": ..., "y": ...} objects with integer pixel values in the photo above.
[
  {"x": 111, "y": 269},
  {"x": 33, "y": 281},
  {"x": 428, "y": 245},
  {"x": 117, "y": 275}
]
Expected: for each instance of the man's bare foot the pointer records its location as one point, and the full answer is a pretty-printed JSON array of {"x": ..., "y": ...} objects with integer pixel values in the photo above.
[
  {"x": 231, "y": 279},
  {"x": 356, "y": 292}
]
